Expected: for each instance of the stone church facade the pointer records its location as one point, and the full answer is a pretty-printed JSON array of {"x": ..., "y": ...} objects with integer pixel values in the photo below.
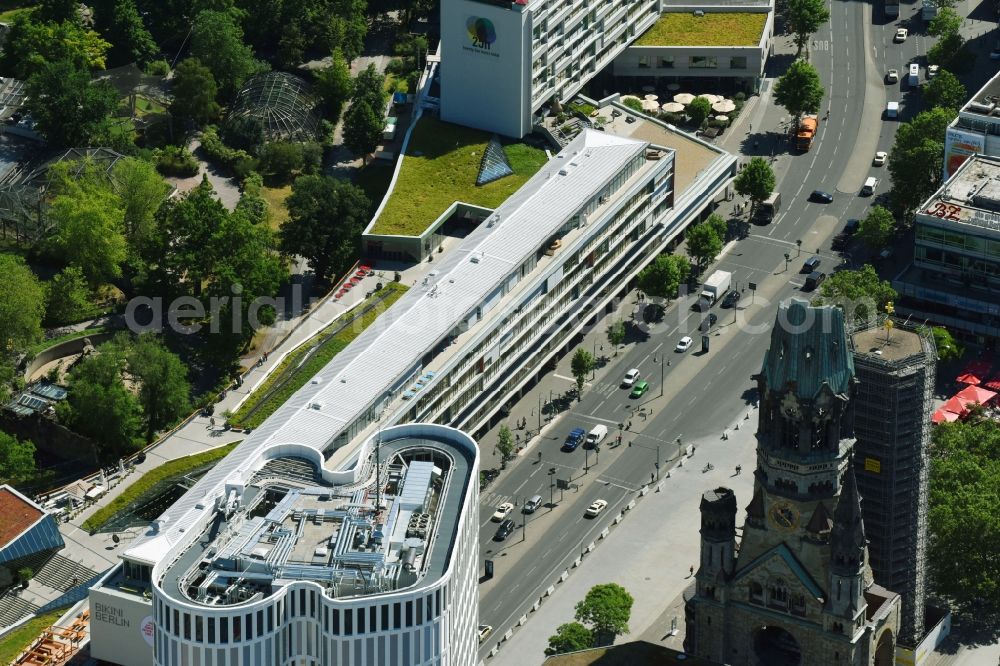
[{"x": 796, "y": 587}]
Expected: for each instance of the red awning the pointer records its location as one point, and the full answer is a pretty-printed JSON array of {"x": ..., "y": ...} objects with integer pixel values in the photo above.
[
  {"x": 955, "y": 406},
  {"x": 993, "y": 384},
  {"x": 944, "y": 415},
  {"x": 969, "y": 378},
  {"x": 974, "y": 394}
]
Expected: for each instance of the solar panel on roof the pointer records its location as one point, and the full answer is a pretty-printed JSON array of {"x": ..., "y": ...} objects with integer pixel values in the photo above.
[
  {"x": 32, "y": 402},
  {"x": 494, "y": 164}
]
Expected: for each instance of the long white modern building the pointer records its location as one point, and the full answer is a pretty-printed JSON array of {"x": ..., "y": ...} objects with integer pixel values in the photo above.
[
  {"x": 470, "y": 338},
  {"x": 501, "y": 61},
  {"x": 279, "y": 561}
]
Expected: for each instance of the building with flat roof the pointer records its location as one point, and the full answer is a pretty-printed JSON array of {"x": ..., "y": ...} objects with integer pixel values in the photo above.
[
  {"x": 892, "y": 422},
  {"x": 502, "y": 61},
  {"x": 955, "y": 275},
  {"x": 289, "y": 562},
  {"x": 722, "y": 42},
  {"x": 976, "y": 129}
]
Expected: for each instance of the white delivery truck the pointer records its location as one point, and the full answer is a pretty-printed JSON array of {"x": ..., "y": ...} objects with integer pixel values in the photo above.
[
  {"x": 914, "y": 75},
  {"x": 715, "y": 287},
  {"x": 892, "y": 110}
]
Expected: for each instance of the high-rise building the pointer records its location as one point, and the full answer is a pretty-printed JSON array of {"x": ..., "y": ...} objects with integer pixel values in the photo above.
[
  {"x": 797, "y": 587},
  {"x": 892, "y": 423},
  {"x": 501, "y": 61},
  {"x": 276, "y": 560}
]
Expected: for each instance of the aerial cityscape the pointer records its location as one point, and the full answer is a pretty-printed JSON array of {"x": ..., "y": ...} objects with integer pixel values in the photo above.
[{"x": 499, "y": 332}]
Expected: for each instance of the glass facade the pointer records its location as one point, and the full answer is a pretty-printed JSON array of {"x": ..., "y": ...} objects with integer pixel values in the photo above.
[{"x": 44, "y": 535}]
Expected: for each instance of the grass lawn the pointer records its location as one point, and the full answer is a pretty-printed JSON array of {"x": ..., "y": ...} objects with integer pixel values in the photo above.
[
  {"x": 178, "y": 467},
  {"x": 440, "y": 168},
  {"x": 321, "y": 350},
  {"x": 275, "y": 197},
  {"x": 45, "y": 344},
  {"x": 23, "y": 636},
  {"x": 712, "y": 29},
  {"x": 12, "y": 9}
]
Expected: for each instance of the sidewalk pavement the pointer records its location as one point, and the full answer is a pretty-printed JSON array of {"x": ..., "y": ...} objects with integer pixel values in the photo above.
[{"x": 649, "y": 553}]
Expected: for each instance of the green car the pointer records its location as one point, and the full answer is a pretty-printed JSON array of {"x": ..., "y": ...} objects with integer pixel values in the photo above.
[{"x": 639, "y": 388}]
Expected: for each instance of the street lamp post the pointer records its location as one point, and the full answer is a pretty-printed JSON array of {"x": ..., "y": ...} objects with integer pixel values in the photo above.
[
  {"x": 661, "y": 374},
  {"x": 539, "y": 412},
  {"x": 798, "y": 248},
  {"x": 787, "y": 257}
]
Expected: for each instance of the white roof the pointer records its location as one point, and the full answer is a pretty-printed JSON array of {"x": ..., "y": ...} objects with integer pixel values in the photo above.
[{"x": 393, "y": 346}]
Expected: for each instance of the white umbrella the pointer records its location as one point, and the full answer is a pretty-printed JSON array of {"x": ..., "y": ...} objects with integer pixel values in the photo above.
[
  {"x": 722, "y": 119},
  {"x": 725, "y": 106},
  {"x": 673, "y": 87},
  {"x": 672, "y": 107},
  {"x": 684, "y": 98},
  {"x": 650, "y": 105},
  {"x": 648, "y": 88},
  {"x": 652, "y": 98},
  {"x": 712, "y": 99}
]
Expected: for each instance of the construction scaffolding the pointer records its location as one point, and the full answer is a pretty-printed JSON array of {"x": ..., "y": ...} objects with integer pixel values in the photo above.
[{"x": 895, "y": 369}]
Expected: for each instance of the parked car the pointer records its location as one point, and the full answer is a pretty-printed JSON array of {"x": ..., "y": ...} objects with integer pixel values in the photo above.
[
  {"x": 631, "y": 377},
  {"x": 639, "y": 389},
  {"x": 504, "y": 531},
  {"x": 595, "y": 509},
  {"x": 502, "y": 512},
  {"x": 995, "y": 54},
  {"x": 532, "y": 504},
  {"x": 880, "y": 158},
  {"x": 814, "y": 280},
  {"x": 684, "y": 344},
  {"x": 852, "y": 226},
  {"x": 484, "y": 631},
  {"x": 708, "y": 322},
  {"x": 892, "y": 76},
  {"x": 901, "y": 34},
  {"x": 820, "y": 196},
  {"x": 731, "y": 299},
  {"x": 886, "y": 253},
  {"x": 932, "y": 71},
  {"x": 574, "y": 439}
]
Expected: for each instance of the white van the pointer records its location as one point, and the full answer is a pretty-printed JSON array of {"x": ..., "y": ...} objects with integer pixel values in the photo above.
[
  {"x": 595, "y": 436},
  {"x": 914, "y": 74},
  {"x": 892, "y": 110},
  {"x": 868, "y": 188}
]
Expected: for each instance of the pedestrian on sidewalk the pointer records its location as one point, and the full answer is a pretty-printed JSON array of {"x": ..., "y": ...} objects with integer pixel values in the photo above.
[
  {"x": 211, "y": 423},
  {"x": 691, "y": 571}
]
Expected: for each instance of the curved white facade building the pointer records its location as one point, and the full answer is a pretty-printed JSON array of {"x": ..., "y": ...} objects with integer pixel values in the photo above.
[{"x": 376, "y": 566}]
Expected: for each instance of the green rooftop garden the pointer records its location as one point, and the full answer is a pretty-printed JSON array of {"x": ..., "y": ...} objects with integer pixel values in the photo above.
[
  {"x": 712, "y": 29},
  {"x": 440, "y": 168}
]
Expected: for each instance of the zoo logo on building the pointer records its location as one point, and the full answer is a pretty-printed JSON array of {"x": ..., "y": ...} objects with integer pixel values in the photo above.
[{"x": 481, "y": 33}]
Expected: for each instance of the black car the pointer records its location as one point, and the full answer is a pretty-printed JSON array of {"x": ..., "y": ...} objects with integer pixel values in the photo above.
[
  {"x": 708, "y": 322},
  {"x": 851, "y": 226},
  {"x": 504, "y": 531},
  {"x": 820, "y": 196},
  {"x": 814, "y": 280},
  {"x": 731, "y": 299}
]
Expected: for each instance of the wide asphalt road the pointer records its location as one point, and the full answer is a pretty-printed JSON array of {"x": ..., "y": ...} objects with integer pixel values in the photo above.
[{"x": 704, "y": 394}]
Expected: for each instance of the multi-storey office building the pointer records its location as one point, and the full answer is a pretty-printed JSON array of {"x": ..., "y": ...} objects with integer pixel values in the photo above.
[
  {"x": 275, "y": 560},
  {"x": 892, "y": 423},
  {"x": 976, "y": 129},
  {"x": 502, "y": 61},
  {"x": 955, "y": 275}
]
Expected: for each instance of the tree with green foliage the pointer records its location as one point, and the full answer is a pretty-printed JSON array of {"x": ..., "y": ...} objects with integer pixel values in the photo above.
[
  {"x": 331, "y": 249},
  {"x": 57, "y": 11},
  {"x": 664, "y": 275},
  {"x": 291, "y": 30},
  {"x": 799, "y": 89},
  {"x": 703, "y": 244},
  {"x": 945, "y": 91},
  {"x": 755, "y": 181},
  {"x": 917, "y": 160},
  {"x": 22, "y": 303},
  {"x": 252, "y": 203},
  {"x": 877, "y": 227},
  {"x": 120, "y": 23},
  {"x": 947, "y": 348},
  {"x": 17, "y": 459},
  {"x": 217, "y": 41},
  {"x": 90, "y": 227},
  {"x": 719, "y": 225},
  {"x": 141, "y": 191},
  {"x": 99, "y": 406},
  {"x": 334, "y": 86},
  {"x": 369, "y": 86},
  {"x": 634, "y": 104},
  {"x": 69, "y": 110},
  {"x": 362, "y": 129},
  {"x": 606, "y": 609},
  {"x": 698, "y": 110},
  {"x": 278, "y": 159},
  {"x": 582, "y": 363},
  {"x": 616, "y": 334},
  {"x": 963, "y": 520},
  {"x": 244, "y": 133},
  {"x": 162, "y": 381},
  {"x": 861, "y": 294},
  {"x": 194, "y": 91},
  {"x": 570, "y": 637},
  {"x": 68, "y": 298},
  {"x": 505, "y": 443},
  {"x": 805, "y": 17},
  {"x": 946, "y": 51},
  {"x": 30, "y": 43},
  {"x": 946, "y": 22}
]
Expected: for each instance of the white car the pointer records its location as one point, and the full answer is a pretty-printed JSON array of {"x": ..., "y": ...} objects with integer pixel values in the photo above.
[
  {"x": 932, "y": 71},
  {"x": 684, "y": 344},
  {"x": 502, "y": 512},
  {"x": 631, "y": 377},
  {"x": 901, "y": 35},
  {"x": 595, "y": 509},
  {"x": 484, "y": 631},
  {"x": 880, "y": 158},
  {"x": 892, "y": 76}
]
